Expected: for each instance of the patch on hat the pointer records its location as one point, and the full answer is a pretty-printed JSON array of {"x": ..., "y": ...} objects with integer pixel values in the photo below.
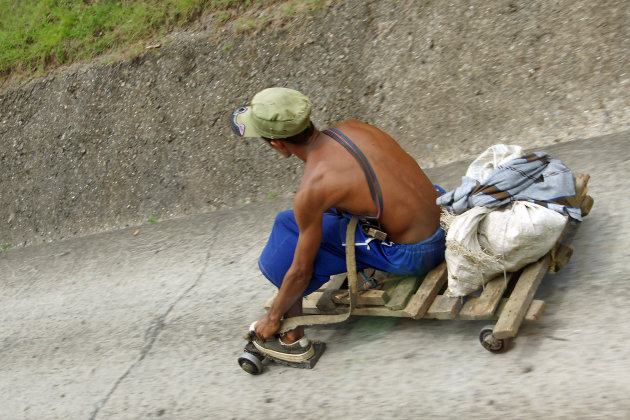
[{"x": 238, "y": 128}]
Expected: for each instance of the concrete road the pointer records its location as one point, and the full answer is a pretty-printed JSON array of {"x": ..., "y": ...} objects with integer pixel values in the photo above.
[{"x": 145, "y": 326}]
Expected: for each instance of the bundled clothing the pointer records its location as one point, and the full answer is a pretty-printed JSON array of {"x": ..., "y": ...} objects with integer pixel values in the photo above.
[{"x": 536, "y": 177}]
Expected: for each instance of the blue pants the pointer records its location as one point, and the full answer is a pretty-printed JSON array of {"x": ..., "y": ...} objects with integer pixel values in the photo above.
[{"x": 408, "y": 259}]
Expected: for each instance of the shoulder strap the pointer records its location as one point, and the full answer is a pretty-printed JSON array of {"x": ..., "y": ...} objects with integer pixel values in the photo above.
[{"x": 375, "y": 188}]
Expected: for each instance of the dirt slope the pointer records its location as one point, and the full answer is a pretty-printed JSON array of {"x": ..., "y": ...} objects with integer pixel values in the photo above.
[{"x": 103, "y": 146}]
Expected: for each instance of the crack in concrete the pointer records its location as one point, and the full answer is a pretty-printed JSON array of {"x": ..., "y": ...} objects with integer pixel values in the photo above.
[{"x": 150, "y": 337}]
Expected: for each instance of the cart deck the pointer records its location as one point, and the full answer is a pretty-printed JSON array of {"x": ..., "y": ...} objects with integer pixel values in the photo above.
[{"x": 508, "y": 299}]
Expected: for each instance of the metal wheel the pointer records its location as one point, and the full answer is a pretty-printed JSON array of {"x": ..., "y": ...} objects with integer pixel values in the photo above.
[
  {"x": 490, "y": 342},
  {"x": 250, "y": 363}
]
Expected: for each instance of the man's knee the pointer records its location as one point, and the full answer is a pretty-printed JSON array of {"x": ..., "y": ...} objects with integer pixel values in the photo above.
[{"x": 286, "y": 219}]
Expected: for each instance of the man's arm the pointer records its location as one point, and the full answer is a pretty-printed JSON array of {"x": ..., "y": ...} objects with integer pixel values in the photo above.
[{"x": 309, "y": 211}]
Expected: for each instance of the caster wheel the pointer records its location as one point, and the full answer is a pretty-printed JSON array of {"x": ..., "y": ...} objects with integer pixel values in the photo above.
[
  {"x": 250, "y": 363},
  {"x": 489, "y": 342}
]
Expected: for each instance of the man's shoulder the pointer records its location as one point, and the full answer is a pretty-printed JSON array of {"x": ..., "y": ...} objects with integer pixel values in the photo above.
[
  {"x": 358, "y": 130},
  {"x": 316, "y": 181},
  {"x": 320, "y": 186},
  {"x": 352, "y": 123},
  {"x": 310, "y": 200}
]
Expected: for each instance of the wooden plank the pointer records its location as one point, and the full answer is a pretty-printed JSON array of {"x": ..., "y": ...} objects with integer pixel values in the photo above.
[
  {"x": 581, "y": 185},
  {"x": 325, "y": 302},
  {"x": 483, "y": 307},
  {"x": 421, "y": 301},
  {"x": 309, "y": 302},
  {"x": 373, "y": 297},
  {"x": 379, "y": 311},
  {"x": 534, "y": 312},
  {"x": 321, "y": 302},
  {"x": 520, "y": 299},
  {"x": 369, "y": 297},
  {"x": 581, "y": 189},
  {"x": 400, "y": 292},
  {"x": 560, "y": 257},
  {"x": 587, "y": 205},
  {"x": 444, "y": 307},
  {"x": 581, "y": 199}
]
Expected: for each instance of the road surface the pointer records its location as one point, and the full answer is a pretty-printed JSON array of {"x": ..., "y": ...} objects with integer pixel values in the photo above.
[{"x": 124, "y": 326}]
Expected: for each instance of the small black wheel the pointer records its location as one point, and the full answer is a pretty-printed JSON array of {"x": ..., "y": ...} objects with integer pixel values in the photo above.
[
  {"x": 250, "y": 363},
  {"x": 490, "y": 342}
]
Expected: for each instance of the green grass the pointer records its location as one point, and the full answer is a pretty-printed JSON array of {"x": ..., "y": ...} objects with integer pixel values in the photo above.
[{"x": 39, "y": 35}]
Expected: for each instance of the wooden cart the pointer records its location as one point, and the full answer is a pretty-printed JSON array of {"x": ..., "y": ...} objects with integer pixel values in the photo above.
[{"x": 507, "y": 299}]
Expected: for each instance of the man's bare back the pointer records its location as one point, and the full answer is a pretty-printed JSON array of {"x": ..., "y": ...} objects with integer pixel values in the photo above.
[{"x": 409, "y": 214}]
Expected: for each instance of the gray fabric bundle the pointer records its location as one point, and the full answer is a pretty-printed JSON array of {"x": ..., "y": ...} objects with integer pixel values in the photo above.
[{"x": 536, "y": 177}]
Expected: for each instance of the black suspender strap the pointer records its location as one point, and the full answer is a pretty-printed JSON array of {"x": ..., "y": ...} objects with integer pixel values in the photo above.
[{"x": 375, "y": 189}]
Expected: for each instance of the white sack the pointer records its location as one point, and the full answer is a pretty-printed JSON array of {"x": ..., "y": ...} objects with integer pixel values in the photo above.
[
  {"x": 465, "y": 259},
  {"x": 482, "y": 242},
  {"x": 488, "y": 161}
]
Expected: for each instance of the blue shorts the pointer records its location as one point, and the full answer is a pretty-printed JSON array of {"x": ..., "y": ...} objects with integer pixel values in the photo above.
[{"x": 408, "y": 259}]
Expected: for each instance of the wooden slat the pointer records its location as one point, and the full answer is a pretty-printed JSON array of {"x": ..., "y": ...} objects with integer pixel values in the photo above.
[
  {"x": 581, "y": 199},
  {"x": 535, "y": 311},
  {"x": 309, "y": 303},
  {"x": 520, "y": 299},
  {"x": 400, "y": 292},
  {"x": 378, "y": 311},
  {"x": 587, "y": 205},
  {"x": 581, "y": 185},
  {"x": 483, "y": 307},
  {"x": 373, "y": 297},
  {"x": 369, "y": 297},
  {"x": 325, "y": 302},
  {"x": 421, "y": 301},
  {"x": 533, "y": 314},
  {"x": 560, "y": 257},
  {"x": 444, "y": 307},
  {"x": 581, "y": 190}
]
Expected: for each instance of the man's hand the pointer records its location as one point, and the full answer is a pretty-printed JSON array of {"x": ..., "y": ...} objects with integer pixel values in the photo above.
[{"x": 266, "y": 327}]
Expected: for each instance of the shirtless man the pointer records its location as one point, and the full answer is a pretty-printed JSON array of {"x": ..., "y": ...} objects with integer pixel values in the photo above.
[{"x": 306, "y": 245}]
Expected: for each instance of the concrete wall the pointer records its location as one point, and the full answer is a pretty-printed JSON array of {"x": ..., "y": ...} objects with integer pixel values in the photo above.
[{"x": 103, "y": 146}]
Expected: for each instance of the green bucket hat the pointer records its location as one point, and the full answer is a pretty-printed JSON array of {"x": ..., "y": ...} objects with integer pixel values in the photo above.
[{"x": 274, "y": 113}]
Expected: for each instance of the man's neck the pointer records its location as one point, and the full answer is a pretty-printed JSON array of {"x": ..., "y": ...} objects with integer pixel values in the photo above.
[{"x": 301, "y": 151}]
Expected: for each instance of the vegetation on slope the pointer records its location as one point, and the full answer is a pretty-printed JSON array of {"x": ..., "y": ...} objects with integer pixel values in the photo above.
[{"x": 39, "y": 35}]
